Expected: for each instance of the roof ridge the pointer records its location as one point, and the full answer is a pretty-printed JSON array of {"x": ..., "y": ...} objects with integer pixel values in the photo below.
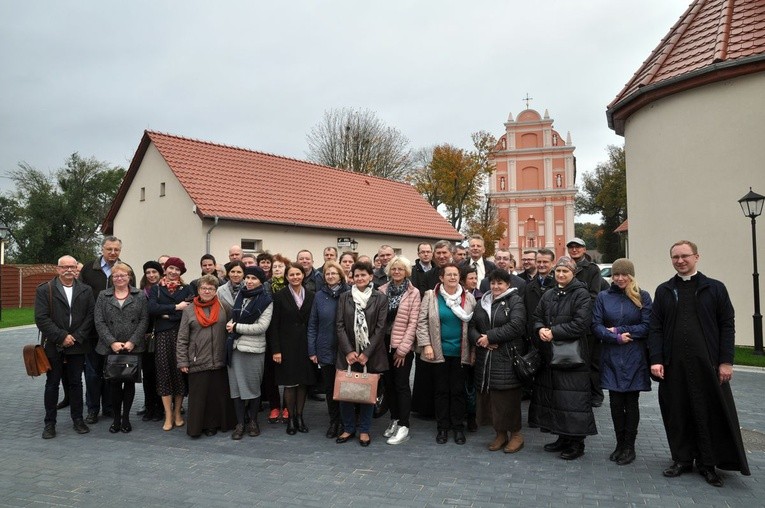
[{"x": 268, "y": 154}]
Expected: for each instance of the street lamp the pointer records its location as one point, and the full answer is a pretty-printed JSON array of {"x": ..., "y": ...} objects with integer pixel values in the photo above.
[
  {"x": 751, "y": 205},
  {"x": 3, "y": 234},
  {"x": 354, "y": 245}
]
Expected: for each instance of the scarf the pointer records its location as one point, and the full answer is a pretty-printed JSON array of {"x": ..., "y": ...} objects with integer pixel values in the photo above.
[
  {"x": 487, "y": 300},
  {"x": 298, "y": 296},
  {"x": 360, "y": 327},
  {"x": 235, "y": 288},
  {"x": 395, "y": 293},
  {"x": 169, "y": 284},
  {"x": 336, "y": 290},
  {"x": 199, "y": 312},
  {"x": 277, "y": 283},
  {"x": 258, "y": 300},
  {"x": 453, "y": 302}
]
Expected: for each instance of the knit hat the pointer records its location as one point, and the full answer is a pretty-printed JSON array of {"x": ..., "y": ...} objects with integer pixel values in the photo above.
[
  {"x": 567, "y": 262},
  {"x": 176, "y": 262},
  {"x": 155, "y": 265},
  {"x": 623, "y": 266},
  {"x": 256, "y": 271}
]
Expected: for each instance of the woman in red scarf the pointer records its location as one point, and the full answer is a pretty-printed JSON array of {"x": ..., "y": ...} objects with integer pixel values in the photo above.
[{"x": 202, "y": 355}]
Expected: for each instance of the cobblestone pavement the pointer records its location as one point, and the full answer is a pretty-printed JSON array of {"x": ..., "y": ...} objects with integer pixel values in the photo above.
[{"x": 149, "y": 467}]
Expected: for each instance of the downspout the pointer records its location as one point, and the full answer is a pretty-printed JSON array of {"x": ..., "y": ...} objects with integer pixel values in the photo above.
[{"x": 209, "y": 233}]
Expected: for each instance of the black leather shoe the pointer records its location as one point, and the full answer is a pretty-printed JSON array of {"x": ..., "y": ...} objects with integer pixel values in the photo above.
[
  {"x": 677, "y": 469},
  {"x": 142, "y": 411},
  {"x": 557, "y": 446},
  {"x": 210, "y": 432},
  {"x": 50, "y": 431},
  {"x": 574, "y": 450},
  {"x": 91, "y": 418},
  {"x": 80, "y": 427},
  {"x": 616, "y": 453},
  {"x": 316, "y": 397},
  {"x": 64, "y": 403},
  {"x": 126, "y": 427},
  {"x": 333, "y": 430},
  {"x": 344, "y": 439},
  {"x": 627, "y": 457},
  {"x": 711, "y": 476},
  {"x": 364, "y": 442},
  {"x": 597, "y": 402},
  {"x": 301, "y": 426},
  {"x": 292, "y": 425},
  {"x": 114, "y": 428},
  {"x": 459, "y": 437},
  {"x": 442, "y": 437}
]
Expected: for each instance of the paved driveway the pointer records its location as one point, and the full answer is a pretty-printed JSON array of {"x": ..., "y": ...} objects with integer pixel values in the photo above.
[{"x": 150, "y": 467}]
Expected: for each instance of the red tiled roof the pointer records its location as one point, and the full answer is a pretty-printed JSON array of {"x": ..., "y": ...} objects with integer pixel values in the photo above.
[
  {"x": 280, "y": 190},
  {"x": 710, "y": 37},
  {"x": 623, "y": 227}
]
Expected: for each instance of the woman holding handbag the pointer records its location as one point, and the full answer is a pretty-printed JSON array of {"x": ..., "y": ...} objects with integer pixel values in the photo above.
[
  {"x": 361, "y": 315},
  {"x": 621, "y": 320},
  {"x": 496, "y": 331},
  {"x": 121, "y": 317},
  {"x": 442, "y": 339},
  {"x": 560, "y": 400}
]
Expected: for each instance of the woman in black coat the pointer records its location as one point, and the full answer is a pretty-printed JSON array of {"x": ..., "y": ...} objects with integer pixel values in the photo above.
[
  {"x": 360, "y": 325},
  {"x": 560, "y": 401},
  {"x": 498, "y": 326},
  {"x": 288, "y": 341},
  {"x": 167, "y": 299}
]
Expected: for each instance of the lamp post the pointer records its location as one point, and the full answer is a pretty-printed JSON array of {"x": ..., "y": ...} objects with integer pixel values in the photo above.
[
  {"x": 3, "y": 233},
  {"x": 751, "y": 205}
]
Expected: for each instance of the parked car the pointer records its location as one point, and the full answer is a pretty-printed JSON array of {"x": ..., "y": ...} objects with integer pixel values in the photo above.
[{"x": 605, "y": 271}]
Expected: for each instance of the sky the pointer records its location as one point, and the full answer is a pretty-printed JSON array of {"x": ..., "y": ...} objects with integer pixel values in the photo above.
[{"x": 90, "y": 76}]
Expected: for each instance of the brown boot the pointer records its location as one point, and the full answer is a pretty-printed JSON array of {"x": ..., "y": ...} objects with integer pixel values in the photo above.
[
  {"x": 515, "y": 443},
  {"x": 499, "y": 441}
]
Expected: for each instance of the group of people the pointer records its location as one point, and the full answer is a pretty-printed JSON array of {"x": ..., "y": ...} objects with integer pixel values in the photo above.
[{"x": 229, "y": 340}]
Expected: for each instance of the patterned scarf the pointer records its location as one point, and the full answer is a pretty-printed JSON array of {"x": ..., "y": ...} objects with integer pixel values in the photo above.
[
  {"x": 258, "y": 300},
  {"x": 395, "y": 293},
  {"x": 360, "y": 327},
  {"x": 277, "y": 283},
  {"x": 202, "y": 318},
  {"x": 454, "y": 303},
  {"x": 171, "y": 285}
]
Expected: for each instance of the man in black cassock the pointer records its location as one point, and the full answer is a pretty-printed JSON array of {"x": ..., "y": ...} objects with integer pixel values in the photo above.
[{"x": 691, "y": 354}]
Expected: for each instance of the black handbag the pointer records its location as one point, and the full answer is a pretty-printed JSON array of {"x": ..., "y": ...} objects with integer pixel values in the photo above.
[
  {"x": 526, "y": 366},
  {"x": 123, "y": 367},
  {"x": 567, "y": 354}
]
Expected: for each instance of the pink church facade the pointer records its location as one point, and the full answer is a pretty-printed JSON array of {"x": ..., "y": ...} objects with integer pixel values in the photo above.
[{"x": 533, "y": 185}]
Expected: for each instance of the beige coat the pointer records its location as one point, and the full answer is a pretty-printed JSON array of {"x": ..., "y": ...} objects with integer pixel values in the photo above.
[{"x": 429, "y": 328}]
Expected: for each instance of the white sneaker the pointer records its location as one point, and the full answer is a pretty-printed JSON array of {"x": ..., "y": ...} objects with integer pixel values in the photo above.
[
  {"x": 402, "y": 435},
  {"x": 392, "y": 428}
]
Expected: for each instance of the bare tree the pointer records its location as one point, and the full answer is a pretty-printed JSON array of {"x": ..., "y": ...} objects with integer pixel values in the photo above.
[{"x": 358, "y": 141}]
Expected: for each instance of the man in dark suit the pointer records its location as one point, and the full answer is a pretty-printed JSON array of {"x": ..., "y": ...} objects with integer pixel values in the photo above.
[
  {"x": 529, "y": 264},
  {"x": 64, "y": 315},
  {"x": 476, "y": 250}
]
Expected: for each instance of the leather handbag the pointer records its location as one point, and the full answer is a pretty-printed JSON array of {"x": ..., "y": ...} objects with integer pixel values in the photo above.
[
  {"x": 526, "y": 366},
  {"x": 358, "y": 387},
  {"x": 567, "y": 354},
  {"x": 35, "y": 360},
  {"x": 123, "y": 367}
]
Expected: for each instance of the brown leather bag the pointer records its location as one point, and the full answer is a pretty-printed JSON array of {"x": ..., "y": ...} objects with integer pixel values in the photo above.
[
  {"x": 359, "y": 387},
  {"x": 35, "y": 360}
]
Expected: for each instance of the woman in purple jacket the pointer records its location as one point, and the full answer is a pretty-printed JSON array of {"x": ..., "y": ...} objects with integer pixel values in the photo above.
[{"x": 620, "y": 320}]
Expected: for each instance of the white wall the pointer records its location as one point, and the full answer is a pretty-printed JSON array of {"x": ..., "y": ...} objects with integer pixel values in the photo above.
[{"x": 690, "y": 157}]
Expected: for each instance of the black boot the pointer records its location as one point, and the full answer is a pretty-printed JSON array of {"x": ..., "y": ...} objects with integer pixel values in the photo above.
[
  {"x": 301, "y": 426},
  {"x": 628, "y": 453},
  {"x": 292, "y": 425},
  {"x": 619, "y": 447}
]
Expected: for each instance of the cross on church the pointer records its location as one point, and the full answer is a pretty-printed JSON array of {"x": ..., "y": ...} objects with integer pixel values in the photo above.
[{"x": 527, "y": 99}]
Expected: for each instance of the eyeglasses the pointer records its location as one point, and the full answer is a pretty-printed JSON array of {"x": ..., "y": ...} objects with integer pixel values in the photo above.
[
  {"x": 68, "y": 268},
  {"x": 207, "y": 289},
  {"x": 120, "y": 276}
]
